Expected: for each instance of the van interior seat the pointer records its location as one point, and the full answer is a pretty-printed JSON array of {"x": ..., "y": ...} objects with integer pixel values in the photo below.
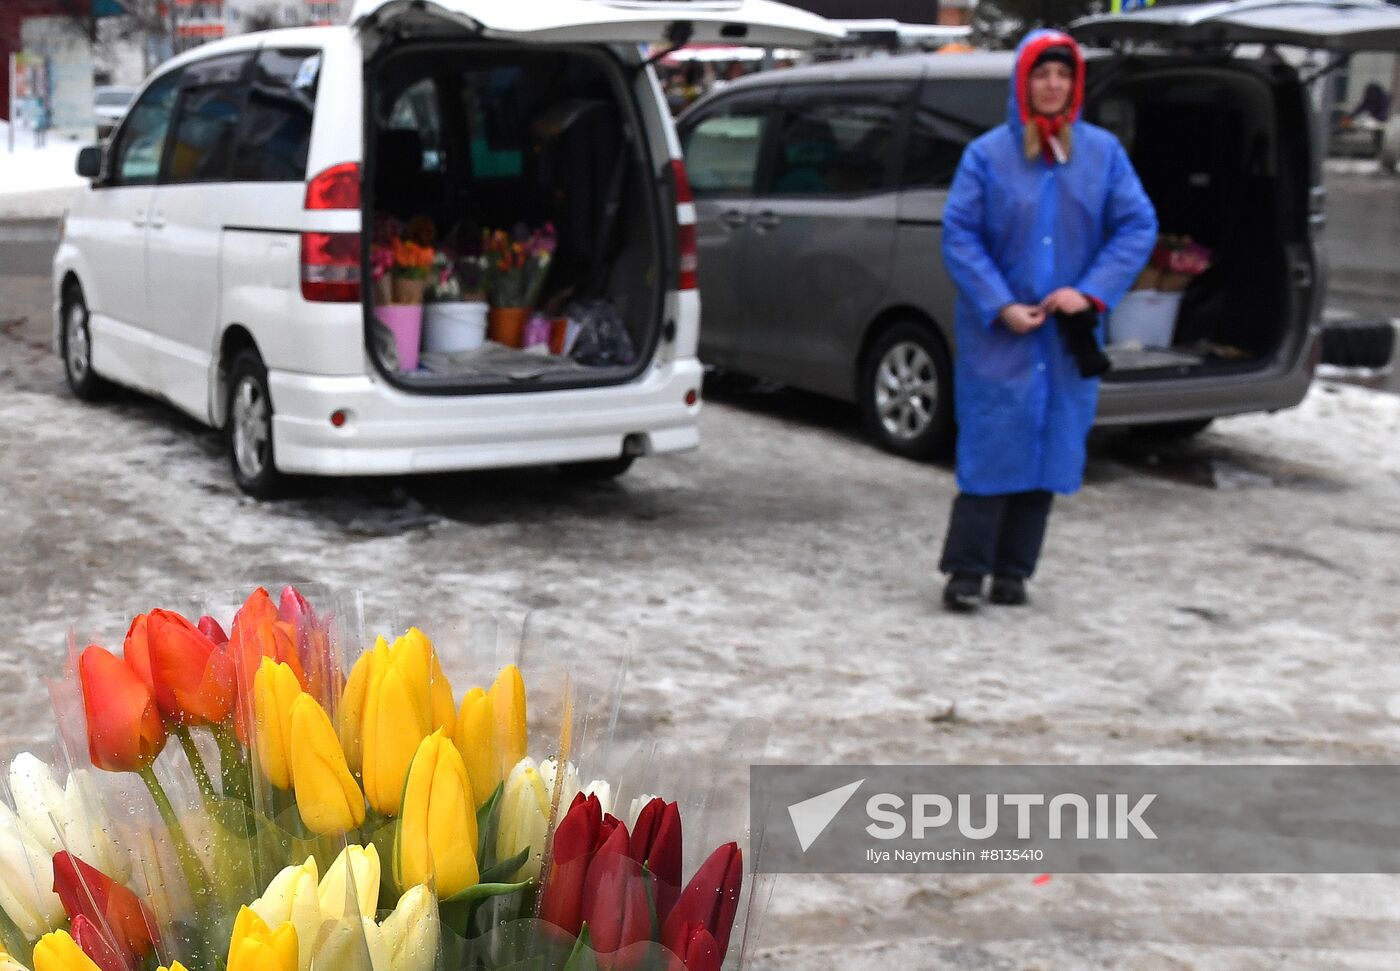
[{"x": 809, "y": 148}]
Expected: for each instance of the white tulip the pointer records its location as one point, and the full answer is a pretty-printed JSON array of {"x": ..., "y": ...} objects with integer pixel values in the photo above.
[
  {"x": 412, "y": 931},
  {"x": 598, "y": 787},
  {"x": 26, "y": 879},
  {"x": 363, "y": 862},
  {"x": 351, "y": 944},
  {"x": 67, "y": 817},
  {"x": 293, "y": 895}
]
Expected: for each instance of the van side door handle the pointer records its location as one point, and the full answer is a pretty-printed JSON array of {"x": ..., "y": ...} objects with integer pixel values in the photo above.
[
  {"x": 767, "y": 219},
  {"x": 158, "y": 221},
  {"x": 139, "y": 221},
  {"x": 733, "y": 218}
]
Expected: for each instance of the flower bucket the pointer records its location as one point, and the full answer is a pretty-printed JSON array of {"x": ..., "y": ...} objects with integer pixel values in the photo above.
[
  {"x": 1146, "y": 317},
  {"x": 408, "y": 290},
  {"x": 453, "y": 326},
  {"x": 405, "y": 321},
  {"x": 507, "y": 325}
]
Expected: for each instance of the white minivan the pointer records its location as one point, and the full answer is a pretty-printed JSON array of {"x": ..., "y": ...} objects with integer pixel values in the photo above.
[{"x": 221, "y": 255}]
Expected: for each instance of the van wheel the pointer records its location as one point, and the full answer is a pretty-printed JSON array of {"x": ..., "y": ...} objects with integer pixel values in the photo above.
[
  {"x": 1171, "y": 431},
  {"x": 906, "y": 392},
  {"x": 76, "y": 344},
  {"x": 249, "y": 429},
  {"x": 597, "y": 471}
]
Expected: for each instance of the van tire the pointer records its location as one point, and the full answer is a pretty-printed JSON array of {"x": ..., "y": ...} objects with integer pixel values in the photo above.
[
  {"x": 599, "y": 471},
  {"x": 1358, "y": 343},
  {"x": 75, "y": 344},
  {"x": 906, "y": 392},
  {"x": 1171, "y": 431},
  {"x": 248, "y": 429}
]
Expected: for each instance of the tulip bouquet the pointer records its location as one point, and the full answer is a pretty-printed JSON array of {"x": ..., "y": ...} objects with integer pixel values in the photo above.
[{"x": 315, "y": 815}]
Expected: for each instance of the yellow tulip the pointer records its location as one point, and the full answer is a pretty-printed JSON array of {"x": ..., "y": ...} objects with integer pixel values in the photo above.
[
  {"x": 507, "y": 696},
  {"x": 294, "y": 896},
  {"x": 421, "y": 658},
  {"x": 327, "y": 796},
  {"x": 524, "y": 818},
  {"x": 57, "y": 951},
  {"x": 475, "y": 733},
  {"x": 397, "y": 717},
  {"x": 361, "y": 863},
  {"x": 436, "y": 840},
  {"x": 352, "y": 944},
  {"x": 275, "y": 689},
  {"x": 350, "y": 718},
  {"x": 411, "y": 933},
  {"x": 174, "y": 966},
  {"x": 256, "y": 947}
]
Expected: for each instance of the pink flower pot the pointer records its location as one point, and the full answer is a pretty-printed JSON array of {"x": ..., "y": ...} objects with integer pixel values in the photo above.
[{"x": 405, "y": 321}]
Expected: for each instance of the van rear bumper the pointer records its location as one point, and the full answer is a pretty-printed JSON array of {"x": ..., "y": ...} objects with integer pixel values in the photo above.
[
  {"x": 389, "y": 432},
  {"x": 1185, "y": 399}
]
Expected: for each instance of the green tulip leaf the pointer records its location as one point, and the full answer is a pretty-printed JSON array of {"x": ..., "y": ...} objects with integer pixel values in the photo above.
[
  {"x": 481, "y": 891},
  {"x": 504, "y": 870},
  {"x": 488, "y": 822},
  {"x": 583, "y": 957}
]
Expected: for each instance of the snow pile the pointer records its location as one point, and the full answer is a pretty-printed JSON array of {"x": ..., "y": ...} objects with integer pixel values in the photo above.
[{"x": 37, "y": 183}]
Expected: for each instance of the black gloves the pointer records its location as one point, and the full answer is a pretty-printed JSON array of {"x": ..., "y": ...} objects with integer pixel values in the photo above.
[{"x": 1077, "y": 330}]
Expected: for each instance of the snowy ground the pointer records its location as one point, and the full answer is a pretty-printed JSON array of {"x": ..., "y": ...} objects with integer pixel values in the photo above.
[
  {"x": 1228, "y": 600},
  {"x": 36, "y": 182}
]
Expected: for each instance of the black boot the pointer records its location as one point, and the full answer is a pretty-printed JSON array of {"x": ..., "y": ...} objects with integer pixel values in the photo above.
[
  {"x": 1008, "y": 591},
  {"x": 963, "y": 594}
]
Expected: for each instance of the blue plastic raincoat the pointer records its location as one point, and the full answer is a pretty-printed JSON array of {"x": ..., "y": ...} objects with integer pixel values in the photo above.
[{"x": 1014, "y": 230}]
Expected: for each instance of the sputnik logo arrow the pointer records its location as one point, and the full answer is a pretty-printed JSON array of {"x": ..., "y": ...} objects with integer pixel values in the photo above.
[{"x": 811, "y": 817}]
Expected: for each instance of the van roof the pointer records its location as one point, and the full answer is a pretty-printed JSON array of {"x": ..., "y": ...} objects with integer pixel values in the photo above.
[{"x": 976, "y": 64}]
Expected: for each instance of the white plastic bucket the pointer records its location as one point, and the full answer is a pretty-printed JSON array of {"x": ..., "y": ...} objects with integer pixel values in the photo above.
[
  {"x": 1146, "y": 317},
  {"x": 456, "y": 326}
]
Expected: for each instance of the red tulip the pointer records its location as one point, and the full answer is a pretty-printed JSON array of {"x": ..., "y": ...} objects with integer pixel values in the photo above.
[
  {"x": 695, "y": 948},
  {"x": 258, "y": 632},
  {"x": 194, "y": 682},
  {"x": 101, "y": 951},
  {"x": 114, "y": 913},
  {"x": 211, "y": 629},
  {"x": 710, "y": 899},
  {"x": 656, "y": 841},
  {"x": 311, "y": 635},
  {"x": 574, "y": 843},
  {"x": 125, "y": 732},
  {"x": 136, "y": 650},
  {"x": 615, "y": 900}
]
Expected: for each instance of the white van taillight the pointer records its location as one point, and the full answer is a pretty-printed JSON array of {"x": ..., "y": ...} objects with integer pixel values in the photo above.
[
  {"x": 338, "y": 187},
  {"x": 330, "y": 267},
  {"x": 688, "y": 245},
  {"x": 690, "y": 258}
]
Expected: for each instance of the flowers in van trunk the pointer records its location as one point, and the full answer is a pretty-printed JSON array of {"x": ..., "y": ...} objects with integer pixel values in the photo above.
[
  {"x": 1174, "y": 263},
  {"x": 517, "y": 265}
]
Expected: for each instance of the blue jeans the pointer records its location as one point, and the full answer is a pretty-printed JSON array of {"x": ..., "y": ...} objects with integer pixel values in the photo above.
[{"x": 1001, "y": 535}]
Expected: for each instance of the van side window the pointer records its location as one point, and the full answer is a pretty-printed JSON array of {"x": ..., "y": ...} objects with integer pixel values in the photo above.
[
  {"x": 949, "y": 114},
  {"x": 721, "y": 153},
  {"x": 276, "y": 132},
  {"x": 835, "y": 148},
  {"x": 416, "y": 111},
  {"x": 136, "y": 160},
  {"x": 206, "y": 121}
]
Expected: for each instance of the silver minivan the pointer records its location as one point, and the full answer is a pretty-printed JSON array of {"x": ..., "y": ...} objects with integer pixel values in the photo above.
[{"x": 819, "y": 195}]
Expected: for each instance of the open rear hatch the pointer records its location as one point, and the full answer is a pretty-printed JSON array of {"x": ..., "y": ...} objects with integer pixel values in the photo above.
[
  {"x": 1224, "y": 148},
  {"x": 524, "y": 135}
]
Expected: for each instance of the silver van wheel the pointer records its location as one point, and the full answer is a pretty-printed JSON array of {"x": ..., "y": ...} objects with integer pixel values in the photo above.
[
  {"x": 906, "y": 391},
  {"x": 252, "y": 427},
  {"x": 76, "y": 351}
]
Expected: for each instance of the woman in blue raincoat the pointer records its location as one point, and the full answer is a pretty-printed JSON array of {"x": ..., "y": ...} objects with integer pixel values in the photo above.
[{"x": 1046, "y": 226}]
